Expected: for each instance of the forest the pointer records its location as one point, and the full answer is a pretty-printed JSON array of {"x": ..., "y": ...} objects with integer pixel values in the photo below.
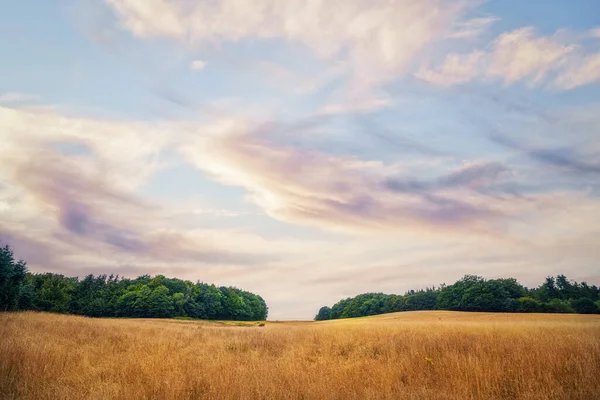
[
  {"x": 475, "y": 293},
  {"x": 112, "y": 296}
]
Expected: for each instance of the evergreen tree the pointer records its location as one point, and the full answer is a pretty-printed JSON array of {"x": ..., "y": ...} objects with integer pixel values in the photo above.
[{"x": 12, "y": 277}]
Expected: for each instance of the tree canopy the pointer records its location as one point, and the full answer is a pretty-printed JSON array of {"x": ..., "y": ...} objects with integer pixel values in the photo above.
[
  {"x": 113, "y": 296},
  {"x": 475, "y": 293}
]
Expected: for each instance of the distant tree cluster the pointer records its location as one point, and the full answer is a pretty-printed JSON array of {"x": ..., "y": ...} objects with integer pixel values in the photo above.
[
  {"x": 111, "y": 296},
  {"x": 474, "y": 293}
]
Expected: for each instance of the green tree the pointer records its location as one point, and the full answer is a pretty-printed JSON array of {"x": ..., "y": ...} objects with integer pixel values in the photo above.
[
  {"x": 583, "y": 306},
  {"x": 566, "y": 289},
  {"x": 54, "y": 293},
  {"x": 560, "y": 306},
  {"x": 212, "y": 299},
  {"x": 90, "y": 297},
  {"x": 179, "y": 302},
  {"x": 421, "y": 300},
  {"x": 27, "y": 295},
  {"x": 548, "y": 290},
  {"x": 134, "y": 302},
  {"x": 456, "y": 297},
  {"x": 529, "y": 305},
  {"x": 160, "y": 303},
  {"x": 323, "y": 314},
  {"x": 12, "y": 277}
]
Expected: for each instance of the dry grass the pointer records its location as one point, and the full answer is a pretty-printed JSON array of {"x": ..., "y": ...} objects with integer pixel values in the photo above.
[{"x": 418, "y": 355}]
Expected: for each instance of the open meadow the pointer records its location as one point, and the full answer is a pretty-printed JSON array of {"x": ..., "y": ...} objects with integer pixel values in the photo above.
[{"x": 410, "y": 355}]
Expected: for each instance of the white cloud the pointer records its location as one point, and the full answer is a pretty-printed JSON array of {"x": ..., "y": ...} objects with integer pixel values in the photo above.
[
  {"x": 197, "y": 65},
  {"x": 456, "y": 69},
  {"x": 380, "y": 38},
  {"x": 514, "y": 56},
  {"x": 520, "y": 54},
  {"x": 583, "y": 71},
  {"x": 127, "y": 152},
  {"x": 14, "y": 97}
]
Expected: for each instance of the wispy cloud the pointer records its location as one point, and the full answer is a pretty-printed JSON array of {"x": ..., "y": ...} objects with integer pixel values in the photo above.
[
  {"x": 81, "y": 204},
  {"x": 355, "y": 107},
  {"x": 377, "y": 37},
  {"x": 563, "y": 158},
  {"x": 15, "y": 97},
  {"x": 473, "y": 28},
  {"x": 583, "y": 71},
  {"x": 342, "y": 192},
  {"x": 515, "y": 56}
]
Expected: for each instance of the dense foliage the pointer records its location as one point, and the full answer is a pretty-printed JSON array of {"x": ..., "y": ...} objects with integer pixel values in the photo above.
[
  {"x": 474, "y": 293},
  {"x": 111, "y": 296}
]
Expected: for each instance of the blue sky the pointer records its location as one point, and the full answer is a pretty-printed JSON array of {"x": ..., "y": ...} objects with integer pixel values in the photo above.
[{"x": 306, "y": 151}]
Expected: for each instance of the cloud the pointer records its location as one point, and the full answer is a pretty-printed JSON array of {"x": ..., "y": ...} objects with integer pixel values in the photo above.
[
  {"x": 521, "y": 54},
  {"x": 299, "y": 82},
  {"x": 455, "y": 70},
  {"x": 358, "y": 179},
  {"x": 197, "y": 65},
  {"x": 341, "y": 192},
  {"x": 471, "y": 175},
  {"x": 564, "y": 158},
  {"x": 473, "y": 28},
  {"x": 584, "y": 71},
  {"x": 14, "y": 97},
  {"x": 370, "y": 127},
  {"x": 360, "y": 106},
  {"x": 474, "y": 174},
  {"x": 370, "y": 43},
  {"x": 595, "y": 33},
  {"x": 70, "y": 210},
  {"x": 127, "y": 152},
  {"x": 378, "y": 37},
  {"x": 218, "y": 212},
  {"x": 515, "y": 56},
  {"x": 81, "y": 207}
]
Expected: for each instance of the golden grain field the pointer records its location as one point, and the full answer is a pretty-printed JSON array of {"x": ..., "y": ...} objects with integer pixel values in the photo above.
[{"x": 411, "y": 355}]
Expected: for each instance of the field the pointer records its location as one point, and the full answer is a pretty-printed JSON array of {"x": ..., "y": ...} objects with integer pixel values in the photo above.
[{"x": 411, "y": 355}]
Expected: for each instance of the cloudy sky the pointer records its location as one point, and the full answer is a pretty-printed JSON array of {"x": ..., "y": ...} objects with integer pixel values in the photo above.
[{"x": 305, "y": 150}]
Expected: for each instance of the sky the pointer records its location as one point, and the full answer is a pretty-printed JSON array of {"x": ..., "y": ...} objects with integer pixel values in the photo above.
[{"x": 304, "y": 150}]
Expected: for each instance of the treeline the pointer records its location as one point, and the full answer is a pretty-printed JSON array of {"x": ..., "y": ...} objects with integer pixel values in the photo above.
[
  {"x": 111, "y": 296},
  {"x": 474, "y": 293}
]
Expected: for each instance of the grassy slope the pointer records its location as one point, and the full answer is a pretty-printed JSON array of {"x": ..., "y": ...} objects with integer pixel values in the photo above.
[{"x": 439, "y": 355}]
